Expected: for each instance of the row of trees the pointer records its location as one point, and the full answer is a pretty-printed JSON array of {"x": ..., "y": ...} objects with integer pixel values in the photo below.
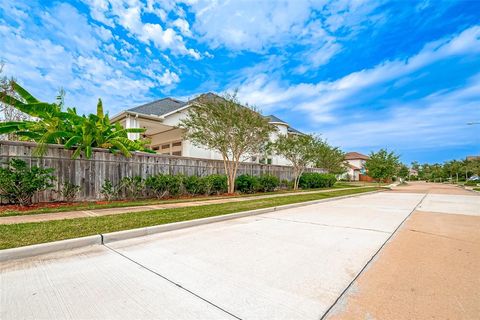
[
  {"x": 219, "y": 123},
  {"x": 238, "y": 133},
  {"x": 455, "y": 170}
]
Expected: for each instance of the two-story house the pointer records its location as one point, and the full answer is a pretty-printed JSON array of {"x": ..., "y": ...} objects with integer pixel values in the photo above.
[
  {"x": 355, "y": 163},
  {"x": 161, "y": 118}
]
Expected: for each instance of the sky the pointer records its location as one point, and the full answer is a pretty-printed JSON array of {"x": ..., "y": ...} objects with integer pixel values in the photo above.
[{"x": 365, "y": 75}]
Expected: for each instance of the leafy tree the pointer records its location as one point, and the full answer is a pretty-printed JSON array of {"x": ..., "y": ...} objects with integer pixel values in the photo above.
[
  {"x": 224, "y": 125},
  {"x": 54, "y": 125},
  {"x": 329, "y": 158},
  {"x": 403, "y": 171},
  {"x": 382, "y": 165},
  {"x": 300, "y": 150}
]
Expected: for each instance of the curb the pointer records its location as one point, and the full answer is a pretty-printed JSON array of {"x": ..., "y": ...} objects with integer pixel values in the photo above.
[
  {"x": 42, "y": 248},
  {"x": 100, "y": 239}
]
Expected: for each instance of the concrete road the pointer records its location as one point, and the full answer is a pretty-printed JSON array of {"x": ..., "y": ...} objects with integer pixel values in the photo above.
[{"x": 291, "y": 264}]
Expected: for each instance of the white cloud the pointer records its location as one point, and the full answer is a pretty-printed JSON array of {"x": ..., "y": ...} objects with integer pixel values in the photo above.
[
  {"x": 435, "y": 121},
  {"x": 183, "y": 26},
  {"x": 320, "y": 99},
  {"x": 128, "y": 14},
  {"x": 86, "y": 60},
  {"x": 168, "y": 78}
]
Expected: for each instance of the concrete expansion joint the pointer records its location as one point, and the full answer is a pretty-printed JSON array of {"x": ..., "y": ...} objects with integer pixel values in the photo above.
[
  {"x": 324, "y": 224},
  {"x": 170, "y": 281},
  {"x": 371, "y": 259}
]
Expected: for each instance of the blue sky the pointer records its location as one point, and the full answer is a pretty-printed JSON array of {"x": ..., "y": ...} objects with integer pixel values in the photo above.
[{"x": 404, "y": 75}]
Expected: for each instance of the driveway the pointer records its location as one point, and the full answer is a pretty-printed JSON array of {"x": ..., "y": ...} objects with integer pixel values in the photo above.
[{"x": 290, "y": 264}]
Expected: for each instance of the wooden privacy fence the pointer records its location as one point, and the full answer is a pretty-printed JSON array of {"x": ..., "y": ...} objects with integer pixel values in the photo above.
[{"x": 90, "y": 174}]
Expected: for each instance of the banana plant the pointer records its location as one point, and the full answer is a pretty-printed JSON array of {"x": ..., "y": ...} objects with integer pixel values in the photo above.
[{"x": 79, "y": 132}]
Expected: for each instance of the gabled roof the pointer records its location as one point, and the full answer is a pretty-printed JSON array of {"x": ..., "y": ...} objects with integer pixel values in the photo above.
[
  {"x": 209, "y": 96},
  {"x": 355, "y": 156},
  {"x": 169, "y": 105},
  {"x": 294, "y": 131},
  {"x": 271, "y": 118},
  {"x": 159, "y": 107}
]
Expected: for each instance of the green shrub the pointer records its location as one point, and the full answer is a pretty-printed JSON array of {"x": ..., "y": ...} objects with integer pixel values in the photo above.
[
  {"x": 110, "y": 191},
  {"x": 268, "y": 182},
  {"x": 286, "y": 184},
  {"x": 216, "y": 183},
  {"x": 132, "y": 187},
  {"x": 158, "y": 184},
  {"x": 310, "y": 180},
  {"x": 175, "y": 184},
  {"x": 246, "y": 183},
  {"x": 194, "y": 185},
  {"x": 471, "y": 183},
  {"x": 69, "y": 191},
  {"x": 19, "y": 183},
  {"x": 164, "y": 184}
]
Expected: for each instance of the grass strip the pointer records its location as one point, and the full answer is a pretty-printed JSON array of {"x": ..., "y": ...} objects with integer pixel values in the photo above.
[
  {"x": 146, "y": 202},
  {"x": 17, "y": 235}
]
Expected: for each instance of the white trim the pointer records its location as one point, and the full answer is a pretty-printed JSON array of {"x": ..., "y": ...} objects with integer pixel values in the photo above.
[{"x": 175, "y": 111}]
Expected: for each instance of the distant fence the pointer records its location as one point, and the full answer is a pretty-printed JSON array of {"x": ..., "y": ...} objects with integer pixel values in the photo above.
[{"x": 90, "y": 174}]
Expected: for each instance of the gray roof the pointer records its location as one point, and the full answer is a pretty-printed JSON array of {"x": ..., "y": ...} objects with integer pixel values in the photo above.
[
  {"x": 273, "y": 118},
  {"x": 159, "y": 107},
  {"x": 167, "y": 105},
  {"x": 292, "y": 130}
]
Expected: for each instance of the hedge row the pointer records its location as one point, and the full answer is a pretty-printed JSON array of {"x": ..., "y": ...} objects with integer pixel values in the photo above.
[{"x": 311, "y": 180}]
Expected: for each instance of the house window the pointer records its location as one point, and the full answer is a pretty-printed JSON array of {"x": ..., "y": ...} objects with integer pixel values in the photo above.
[
  {"x": 177, "y": 153},
  {"x": 156, "y": 148},
  {"x": 166, "y": 146},
  {"x": 177, "y": 144}
]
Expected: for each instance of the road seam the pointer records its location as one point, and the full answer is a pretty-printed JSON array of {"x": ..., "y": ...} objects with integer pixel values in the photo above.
[
  {"x": 371, "y": 259},
  {"x": 324, "y": 224},
  {"x": 172, "y": 282}
]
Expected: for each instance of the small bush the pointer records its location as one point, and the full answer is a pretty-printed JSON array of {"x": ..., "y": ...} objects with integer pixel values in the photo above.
[
  {"x": 310, "y": 180},
  {"x": 193, "y": 185},
  {"x": 69, "y": 191},
  {"x": 133, "y": 187},
  {"x": 19, "y": 183},
  {"x": 216, "y": 183},
  {"x": 471, "y": 183},
  {"x": 246, "y": 183},
  {"x": 158, "y": 184},
  {"x": 286, "y": 184},
  {"x": 268, "y": 183},
  {"x": 164, "y": 184},
  {"x": 175, "y": 185},
  {"x": 109, "y": 191}
]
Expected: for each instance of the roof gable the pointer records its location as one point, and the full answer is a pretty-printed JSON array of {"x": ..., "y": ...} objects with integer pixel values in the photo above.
[
  {"x": 159, "y": 107},
  {"x": 355, "y": 156}
]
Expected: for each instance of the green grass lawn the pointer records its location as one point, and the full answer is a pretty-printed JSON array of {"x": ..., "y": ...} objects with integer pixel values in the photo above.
[
  {"x": 17, "y": 235},
  {"x": 145, "y": 202}
]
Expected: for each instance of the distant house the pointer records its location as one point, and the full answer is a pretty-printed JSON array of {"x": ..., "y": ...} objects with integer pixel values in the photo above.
[
  {"x": 161, "y": 118},
  {"x": 413, "y": 172},
  {"x": 355, "y": 163}
]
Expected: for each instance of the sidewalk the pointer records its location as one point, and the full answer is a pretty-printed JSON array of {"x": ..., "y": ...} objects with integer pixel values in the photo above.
[
  {"x": 429, "y": 269},
  {"x": 111, "y": 211}
]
